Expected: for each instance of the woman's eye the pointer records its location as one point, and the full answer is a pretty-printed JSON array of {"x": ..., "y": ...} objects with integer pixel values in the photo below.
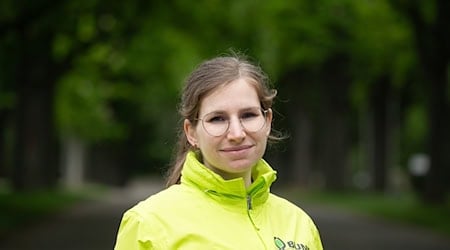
[
  {"x": 216, "y": 119},
  {"x": 249, "y": 115}
]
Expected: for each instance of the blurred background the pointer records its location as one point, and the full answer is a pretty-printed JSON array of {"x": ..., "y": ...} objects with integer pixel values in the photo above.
[{"x": 89, "y": 90}]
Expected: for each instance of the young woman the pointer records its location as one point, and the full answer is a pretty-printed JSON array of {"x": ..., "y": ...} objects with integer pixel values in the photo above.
[{"x": 218, "y": 194}]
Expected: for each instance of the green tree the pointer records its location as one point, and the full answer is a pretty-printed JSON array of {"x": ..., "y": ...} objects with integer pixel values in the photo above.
[
  {"x": 429, "y": 21},
  {"x": 42, "y": 40}
]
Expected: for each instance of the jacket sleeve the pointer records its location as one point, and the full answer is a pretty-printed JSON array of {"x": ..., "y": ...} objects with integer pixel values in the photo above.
[
  {"x": 316, "y": 235},
  {"x": 134, "y": 233}
]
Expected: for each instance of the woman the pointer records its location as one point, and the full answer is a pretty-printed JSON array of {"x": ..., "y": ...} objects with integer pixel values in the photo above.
[{"x": 218, "y": 194}]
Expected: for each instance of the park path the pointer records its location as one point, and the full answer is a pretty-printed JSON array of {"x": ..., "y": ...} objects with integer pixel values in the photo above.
[{"x": 93, "y": 225}]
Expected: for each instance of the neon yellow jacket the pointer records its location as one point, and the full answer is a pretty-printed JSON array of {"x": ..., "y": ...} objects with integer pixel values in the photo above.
[{"x": 207, "y": 212}]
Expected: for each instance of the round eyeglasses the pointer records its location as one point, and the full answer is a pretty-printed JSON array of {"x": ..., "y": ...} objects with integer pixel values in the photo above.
[{"x": 218, "y": 123}]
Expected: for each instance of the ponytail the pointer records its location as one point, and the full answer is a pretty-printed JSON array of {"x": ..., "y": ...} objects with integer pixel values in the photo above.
[{"x": 174, "y": 173}]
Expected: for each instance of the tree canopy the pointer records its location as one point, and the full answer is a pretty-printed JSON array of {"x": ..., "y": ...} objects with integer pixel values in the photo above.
[{"x": 363, "y": 85}]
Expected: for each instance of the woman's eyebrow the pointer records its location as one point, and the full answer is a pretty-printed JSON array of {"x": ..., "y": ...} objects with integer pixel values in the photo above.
[
  {"x": 216, "y": 112},
  {"x": 249, "y": 109},
  {"x": 224, "y": 112}
]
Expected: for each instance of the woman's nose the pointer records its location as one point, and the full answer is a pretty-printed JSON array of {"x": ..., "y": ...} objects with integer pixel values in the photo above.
[{"x": 236, "y": 130}]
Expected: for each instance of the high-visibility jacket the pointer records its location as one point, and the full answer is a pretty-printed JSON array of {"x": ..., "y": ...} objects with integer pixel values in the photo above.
[{"x": 207, "y": 212}]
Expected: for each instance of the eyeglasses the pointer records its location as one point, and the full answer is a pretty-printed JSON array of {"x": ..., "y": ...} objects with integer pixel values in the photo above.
[{"x": 218, "y": 123}]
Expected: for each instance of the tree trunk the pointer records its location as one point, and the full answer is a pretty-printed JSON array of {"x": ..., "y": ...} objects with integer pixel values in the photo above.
[
  {"x": 433, "y": 47},
  {"x": 3, "y": 116},
  {"x": 334, "y": 118},
  {"x": 333, "y": 150},
  {"x": 379, "y": 154},
  {"x": 35, "y": 151},
  {"x": 73, "y": 162},
  {"x": 301, "y": 147},
  {"x": 297, "y": 161},
  {"x": 436, "y": 185}
]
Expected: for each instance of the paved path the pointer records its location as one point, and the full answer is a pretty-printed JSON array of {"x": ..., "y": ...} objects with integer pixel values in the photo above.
[
  {"x": 341, "y": 229},
  {"x": 93, "y": 225},
  {"x": 88, "y": 226}
]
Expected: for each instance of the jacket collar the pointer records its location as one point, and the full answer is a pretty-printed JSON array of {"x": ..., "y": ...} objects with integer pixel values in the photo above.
[{"x": 196, "y": 174}]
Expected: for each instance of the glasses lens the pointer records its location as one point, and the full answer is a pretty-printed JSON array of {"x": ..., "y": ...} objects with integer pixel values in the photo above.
[
  {"x": 253, "y": 121},
  {"x": 218, "y": 124},
  {"x": 215, "y": 124}
]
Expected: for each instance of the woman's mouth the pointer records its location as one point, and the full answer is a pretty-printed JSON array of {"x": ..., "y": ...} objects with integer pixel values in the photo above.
[{"x": 237, "y": 150}]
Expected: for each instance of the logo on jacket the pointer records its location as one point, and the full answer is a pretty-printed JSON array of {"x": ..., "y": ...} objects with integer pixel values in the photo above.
[{"x": 281, "y": 245}]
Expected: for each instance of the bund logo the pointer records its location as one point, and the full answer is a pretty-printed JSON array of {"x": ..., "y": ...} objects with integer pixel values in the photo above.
[{"x": 281, "y": 245}]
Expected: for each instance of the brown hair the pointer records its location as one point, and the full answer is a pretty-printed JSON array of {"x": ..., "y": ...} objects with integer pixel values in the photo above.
[{"x": 205, "y": 78}]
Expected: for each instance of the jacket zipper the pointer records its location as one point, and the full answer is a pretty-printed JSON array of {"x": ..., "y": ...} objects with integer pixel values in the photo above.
[
  {"x": 249, "y": 202},
  {"x": 249, "y": 208}
]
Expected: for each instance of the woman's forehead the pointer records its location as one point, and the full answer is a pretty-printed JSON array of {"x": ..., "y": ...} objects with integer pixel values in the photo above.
[{"x": 234, "y": 96}]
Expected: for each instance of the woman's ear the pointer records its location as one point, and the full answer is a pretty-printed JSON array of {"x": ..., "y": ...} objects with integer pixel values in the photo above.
[{"x": 189, "y": 131}]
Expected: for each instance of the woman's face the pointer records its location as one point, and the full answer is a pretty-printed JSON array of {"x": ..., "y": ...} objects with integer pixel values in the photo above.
[{"x": 233, "y": 153}]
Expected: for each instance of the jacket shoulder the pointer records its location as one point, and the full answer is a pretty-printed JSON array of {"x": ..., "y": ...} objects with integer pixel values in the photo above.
[
  {"x": 144, "y": 226},
  {"x": 278, "y": 203},
  {"x": 164, "y": 200},
  {"x": 288, "y": 213}
]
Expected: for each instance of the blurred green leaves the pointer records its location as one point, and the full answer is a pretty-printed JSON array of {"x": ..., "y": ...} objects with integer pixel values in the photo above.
[
  {"x": 147, "y": 71},
  {"x": 83, "y": 108},
  {"x": 122, "y": 64}
]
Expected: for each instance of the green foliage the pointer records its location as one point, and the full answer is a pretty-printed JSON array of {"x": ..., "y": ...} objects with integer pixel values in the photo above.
[
  {"x": 84, "y": 96},
  {"x": 124, "y": 63},
  {"x": 382, "y": 43},
  {"x": 147, "y": 72},
  {"x": 83, "y": 110},
  {"x": 416, "y": 127},
  {"x": 7, "y": 100}
]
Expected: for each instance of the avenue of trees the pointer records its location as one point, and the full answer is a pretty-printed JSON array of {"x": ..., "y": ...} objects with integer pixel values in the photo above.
[{"x": 89, "y": 88}]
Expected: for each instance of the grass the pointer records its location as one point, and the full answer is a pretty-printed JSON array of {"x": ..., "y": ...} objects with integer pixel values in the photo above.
[
  {"x": 20, "y": 209},
  {"x": 405, "y": 208}
]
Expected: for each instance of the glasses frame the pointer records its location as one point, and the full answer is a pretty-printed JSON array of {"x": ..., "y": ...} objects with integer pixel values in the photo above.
[{"x": 264, "y": 114}]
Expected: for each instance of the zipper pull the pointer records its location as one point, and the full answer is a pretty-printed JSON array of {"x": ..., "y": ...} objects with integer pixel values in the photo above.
[{"x": 249, "y": 202}]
